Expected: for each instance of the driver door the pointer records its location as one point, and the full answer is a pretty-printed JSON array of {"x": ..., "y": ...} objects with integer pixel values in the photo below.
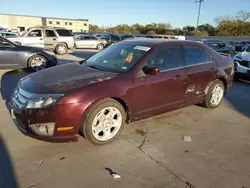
[
  {"x": 157, "y": 93},
  {"x": 34, "y": 38}
]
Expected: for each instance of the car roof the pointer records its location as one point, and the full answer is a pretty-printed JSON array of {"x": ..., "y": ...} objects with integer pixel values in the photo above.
[{"x": 152, "y": 42}]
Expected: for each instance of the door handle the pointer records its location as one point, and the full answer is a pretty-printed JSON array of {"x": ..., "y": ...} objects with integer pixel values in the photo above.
[
  {"x": 41, "y": 39},
  {"x": 54, "y": 39}
]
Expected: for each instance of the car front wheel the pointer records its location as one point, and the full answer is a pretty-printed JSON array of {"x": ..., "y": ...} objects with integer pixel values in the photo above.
[
  {"x": 37, "y": 63},
  {"x": 103, "y": 122},
  {"x": 100, "y": 46},
  {"x": 215, "y": 94}
]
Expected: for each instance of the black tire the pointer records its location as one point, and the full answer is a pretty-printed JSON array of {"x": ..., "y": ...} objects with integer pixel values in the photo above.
[
  {"x": 100, "y": 46},
  {"x": 61, "y": 49},
  {"x": 87, "y": 120},
  {"x": 207, "y": 101},
  {"x": 31, "y": 66}
]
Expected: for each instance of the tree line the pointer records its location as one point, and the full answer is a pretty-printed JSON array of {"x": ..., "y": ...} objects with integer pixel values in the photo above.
[{"x": 238, "y": 25}]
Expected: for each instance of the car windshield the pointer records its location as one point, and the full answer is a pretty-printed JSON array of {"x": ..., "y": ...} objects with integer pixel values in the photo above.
[{"x": 118, "y": 58}]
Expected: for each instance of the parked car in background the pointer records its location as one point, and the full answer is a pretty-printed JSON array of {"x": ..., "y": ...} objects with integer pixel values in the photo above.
[
  {"x": 17, "y": 56},
  {"x": 111, "y": 38},
  {"x": 242, "y": 64},
  {"x": 123, "y": 37},
  {"x": 57, "y": 39},
  {"x": 241, "y": 46},
  {"x": 125, "y": 82},
  {"x": 220, "y": 47},
  {"x": 89, "y": 41},
  {"x": 7, "y": 34}
]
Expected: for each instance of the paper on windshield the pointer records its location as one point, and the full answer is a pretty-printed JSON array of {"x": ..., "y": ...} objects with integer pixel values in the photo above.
[{"x": 143, "y": 48}]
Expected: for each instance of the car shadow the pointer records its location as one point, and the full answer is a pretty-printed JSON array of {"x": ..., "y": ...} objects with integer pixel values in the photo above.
[
  {"x": 238, "y": 97},
  {"x": 9, "y": 81},
  {"x": 7, "y": 173}
]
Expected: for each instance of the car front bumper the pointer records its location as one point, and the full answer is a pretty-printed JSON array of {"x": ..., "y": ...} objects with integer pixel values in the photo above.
[
  {"x": 63, "y": 116},
  {"x": 242, "y": 71}
]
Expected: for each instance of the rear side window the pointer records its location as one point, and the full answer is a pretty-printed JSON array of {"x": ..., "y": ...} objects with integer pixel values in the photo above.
[
  {"x": 49, "y": 33},
  {"x": 248, "y": 49},
  {"x": 63, "y": 33},
  {"x": 166, "y": 58},
  {"x": 195, "y": 55}
]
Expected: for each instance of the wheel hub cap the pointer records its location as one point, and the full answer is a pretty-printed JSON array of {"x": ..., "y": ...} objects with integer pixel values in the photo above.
[
  {"x": 106, "y": 123},
  {"x": 217, "y": 95}
]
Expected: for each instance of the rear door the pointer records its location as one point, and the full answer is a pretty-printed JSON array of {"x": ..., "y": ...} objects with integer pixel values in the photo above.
[
  {"x": 50, "y": 38},
  {"x": 8, "y": 54},
  {"x": 155, "y": 93},
  {"x": 34, "y": 37},
  {"x": 200, "y": 70}
]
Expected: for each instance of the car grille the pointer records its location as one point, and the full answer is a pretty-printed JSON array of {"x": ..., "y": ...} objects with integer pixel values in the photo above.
[
  {"x": 244, "y": 63},
  {"x": 20, "y": 97}
]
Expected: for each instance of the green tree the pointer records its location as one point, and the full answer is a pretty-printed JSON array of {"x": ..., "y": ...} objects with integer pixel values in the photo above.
[
  {"x": 187, "y": 29},
  {"x": 151, "y": 32},
  {"x": 177, "y": 31},
  {"x": 150, "y": 27},
  {"x": 207, "y": 28},
  {"x": 138, "y": 27},
  {"x": 94, "y": 28}
]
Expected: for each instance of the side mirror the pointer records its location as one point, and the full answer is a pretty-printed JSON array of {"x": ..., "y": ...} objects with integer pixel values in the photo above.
[
  {"x": 151, "y": 70},
  {"x": 82, "y": 61}
]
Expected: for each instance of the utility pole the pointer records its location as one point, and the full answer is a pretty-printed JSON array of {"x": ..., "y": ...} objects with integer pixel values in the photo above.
[{"x": 198, "y": 19}]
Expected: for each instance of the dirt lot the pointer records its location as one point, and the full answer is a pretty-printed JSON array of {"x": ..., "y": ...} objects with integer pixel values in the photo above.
[{"x": 150, "y": 153}]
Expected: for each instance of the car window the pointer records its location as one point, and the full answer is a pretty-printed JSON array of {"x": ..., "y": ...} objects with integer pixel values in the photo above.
[
  {"x": 63, "y": 33},
  {"x": 115, "y": 37},
  {"x": 166, "y": 58},
  {"x": 80, "y": 37},
  {"x": 93, "y": 38},
  {"x": 118, "y": 57},
  {"x": 4, "y": 43},
  {"x": 50, "y": 33},
  {"x": 35, "y": 33},
  {"x": 196, "y": 55},
  {"x": 248, "y": 49},
  {"x": 87, "y": 37}
]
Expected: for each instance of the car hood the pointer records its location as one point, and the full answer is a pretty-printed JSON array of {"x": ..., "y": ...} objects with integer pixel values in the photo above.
[
  {"x": 245, "y": 56},
  {"x": 64, "y": 78}
]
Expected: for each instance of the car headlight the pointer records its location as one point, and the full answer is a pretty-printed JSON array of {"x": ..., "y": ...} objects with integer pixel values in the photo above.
[
  {"x": 49, "y": 52},
  {"x": 43, "y": 101}
]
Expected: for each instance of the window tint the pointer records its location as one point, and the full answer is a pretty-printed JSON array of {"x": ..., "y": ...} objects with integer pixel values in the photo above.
[
  {"x": 248, "y": 49},
  {"x": 66, "y": 23},
  {"x": 70, "y": 23},
  {"x": 49, "y": 33},
  {"x": 35, "y": 33},
  {"x": 166, "y": 58},
  {"x": 50, "y": 22},
  {"x": 4, "y": 43},
  {"x": 58, "y": 23},
  {"x": 93, "y": 38},
  {"x": 63, "y": 32},
  {"x": 87, "y": 38},
  {"x": 195, "y": 55},
  {"x": 85, "y": 24},
  {"x": 115, "y": 37}
]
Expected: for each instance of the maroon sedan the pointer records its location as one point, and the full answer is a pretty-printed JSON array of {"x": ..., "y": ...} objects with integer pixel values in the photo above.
[{"x": 128, "y": 81}]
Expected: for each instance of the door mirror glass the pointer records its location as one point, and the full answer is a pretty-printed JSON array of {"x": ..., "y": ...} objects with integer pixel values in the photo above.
[{"x": 151, "y": 70}]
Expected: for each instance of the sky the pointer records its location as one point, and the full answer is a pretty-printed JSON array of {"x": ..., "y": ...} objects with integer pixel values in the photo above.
[{"x": 178, "y": 13}]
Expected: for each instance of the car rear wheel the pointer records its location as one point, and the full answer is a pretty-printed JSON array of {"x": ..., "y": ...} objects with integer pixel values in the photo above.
[
  {"x": 103, "y": 122},
  {"x": 215, "y": 94},
  {"x": 100, "y": 46},
  {"x": 61, "y": 49},
  {"x": 37, "y": 63}
]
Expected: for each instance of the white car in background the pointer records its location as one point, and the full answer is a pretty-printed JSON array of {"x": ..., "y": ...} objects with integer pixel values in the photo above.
[
  {"x": 242, "y": 64},
  {"x": 89, "y": 41}
]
